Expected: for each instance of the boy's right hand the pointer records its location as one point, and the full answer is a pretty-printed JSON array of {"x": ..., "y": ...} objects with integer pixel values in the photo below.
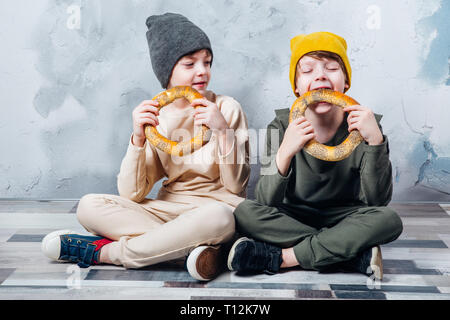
[
  {"x": 297, "y": 134},
  {"x": 145, "y": 113}
]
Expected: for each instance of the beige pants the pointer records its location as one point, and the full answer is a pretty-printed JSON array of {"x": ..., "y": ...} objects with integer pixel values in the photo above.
[{"x": 155, "y": 230}]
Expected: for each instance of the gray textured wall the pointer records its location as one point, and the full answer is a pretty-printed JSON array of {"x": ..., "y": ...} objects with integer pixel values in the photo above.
[{"x": 69, "y": 81}]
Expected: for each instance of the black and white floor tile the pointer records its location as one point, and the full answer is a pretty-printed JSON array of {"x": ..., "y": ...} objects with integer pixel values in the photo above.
[{"x": 416, "y": 266}]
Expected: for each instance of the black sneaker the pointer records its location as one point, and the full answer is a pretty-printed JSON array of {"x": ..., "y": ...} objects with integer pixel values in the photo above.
[
  {"x": 248, "y": 255},
  {"x": 369, "y": 262}
]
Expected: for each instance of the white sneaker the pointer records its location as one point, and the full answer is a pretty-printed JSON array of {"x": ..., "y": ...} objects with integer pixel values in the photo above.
[
  {"x": 376, "y": 263},
  {"x": 66, "y": 245},
  {"x": 51, "y": 244},
  {"x": 204, "y": 263}
]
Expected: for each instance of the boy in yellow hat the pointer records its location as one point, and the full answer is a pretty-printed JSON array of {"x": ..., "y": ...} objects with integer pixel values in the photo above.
[{"x": 320, "y": 215}]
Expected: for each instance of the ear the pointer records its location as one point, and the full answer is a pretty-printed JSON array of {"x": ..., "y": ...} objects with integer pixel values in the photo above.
[{"x": 346, "y": 86}]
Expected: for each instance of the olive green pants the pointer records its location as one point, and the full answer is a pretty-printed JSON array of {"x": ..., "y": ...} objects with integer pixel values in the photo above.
[{"x": 320, "y": 237}]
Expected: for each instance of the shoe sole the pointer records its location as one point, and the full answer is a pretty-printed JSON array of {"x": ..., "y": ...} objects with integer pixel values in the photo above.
[
  {"x": 51, "y": 244},
  {"x": 376, "y": 263},
  {"x": 204, "y": 262},
  {"x": 232, "y": 251}
]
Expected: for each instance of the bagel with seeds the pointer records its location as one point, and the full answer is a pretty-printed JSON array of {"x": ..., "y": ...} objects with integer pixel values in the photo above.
[
  {"x": 173, "y": 147},
  {"x": 314, "y": 148}
]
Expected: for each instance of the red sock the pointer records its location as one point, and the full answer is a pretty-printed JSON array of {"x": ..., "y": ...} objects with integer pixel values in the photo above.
[{"x": 100, "y": 243}]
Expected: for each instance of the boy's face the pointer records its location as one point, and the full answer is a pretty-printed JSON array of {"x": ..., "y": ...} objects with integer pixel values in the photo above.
[
  {"x": 192, "y": 70},
  {"x": 313, "y": 73}
]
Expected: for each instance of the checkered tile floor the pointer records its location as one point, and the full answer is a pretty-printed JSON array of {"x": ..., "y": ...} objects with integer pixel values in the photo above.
[{"x": 416, "y": 266}]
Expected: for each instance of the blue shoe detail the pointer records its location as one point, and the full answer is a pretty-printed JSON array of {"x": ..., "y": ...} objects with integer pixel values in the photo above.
[{"x": 82, "y": 249}]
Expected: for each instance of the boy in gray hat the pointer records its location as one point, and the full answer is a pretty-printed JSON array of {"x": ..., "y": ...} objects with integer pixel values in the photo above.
[
  {"x": 192, "y": 214},
  {"x": 170, "y": 37}
]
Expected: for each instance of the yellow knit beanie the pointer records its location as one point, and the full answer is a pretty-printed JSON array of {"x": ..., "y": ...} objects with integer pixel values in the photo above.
[{"x": 318, "y": 41}]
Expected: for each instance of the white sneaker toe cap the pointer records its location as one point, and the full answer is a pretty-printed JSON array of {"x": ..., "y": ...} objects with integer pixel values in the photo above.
[{"x": 51, "y": 244}]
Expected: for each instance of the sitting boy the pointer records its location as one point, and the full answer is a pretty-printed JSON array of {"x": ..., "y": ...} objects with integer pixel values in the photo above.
[{"x": 309, "y": 212}]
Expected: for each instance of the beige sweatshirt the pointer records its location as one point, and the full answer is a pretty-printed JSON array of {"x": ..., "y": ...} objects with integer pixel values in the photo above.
[{"x": 205, "y": 174}]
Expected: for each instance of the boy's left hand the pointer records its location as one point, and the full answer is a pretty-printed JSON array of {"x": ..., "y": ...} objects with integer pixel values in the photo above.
[
  {"x": 362, "y": 119},
  {"x": 209, "y": 115}
]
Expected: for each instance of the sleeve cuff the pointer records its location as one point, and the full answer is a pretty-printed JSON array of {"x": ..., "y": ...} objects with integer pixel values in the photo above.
[
  {"x": 272, "y": 170},
  {"x": 381, "y": 148},
  {"x": 134, "y": 152},
  {"x": 132, "y": 147},
  {"x": 286, "y": 177}
]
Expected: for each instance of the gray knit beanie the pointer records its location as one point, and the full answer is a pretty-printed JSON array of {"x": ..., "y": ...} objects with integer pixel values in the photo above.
[{"x": 171, "y": 36}]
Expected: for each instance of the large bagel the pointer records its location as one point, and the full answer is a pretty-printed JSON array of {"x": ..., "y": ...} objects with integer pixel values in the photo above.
[
  {"x": 315, "y": 148},
  {"x": 169, "y": 146}
]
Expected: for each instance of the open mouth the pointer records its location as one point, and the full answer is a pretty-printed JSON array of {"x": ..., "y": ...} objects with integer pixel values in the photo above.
[
  {"x": 200, "y": 84},
  {"x": 322, "y": 87}
]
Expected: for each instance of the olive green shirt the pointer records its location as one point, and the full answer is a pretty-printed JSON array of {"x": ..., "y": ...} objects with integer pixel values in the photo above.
[{"x": 362, "y": 179}]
